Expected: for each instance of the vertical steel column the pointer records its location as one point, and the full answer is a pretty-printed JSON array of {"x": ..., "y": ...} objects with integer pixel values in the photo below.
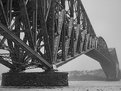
[{"x": 46, "y": 36}]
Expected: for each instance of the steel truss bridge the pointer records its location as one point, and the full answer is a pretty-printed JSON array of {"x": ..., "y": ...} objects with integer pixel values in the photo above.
[{"x": 43, "y": 33}]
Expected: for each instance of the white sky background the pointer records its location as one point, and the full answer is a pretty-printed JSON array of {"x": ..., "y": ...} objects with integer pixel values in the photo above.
[{"x": 105, "y": 16}]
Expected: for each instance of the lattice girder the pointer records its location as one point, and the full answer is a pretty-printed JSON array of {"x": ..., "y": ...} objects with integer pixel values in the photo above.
[{"x": 43, "y": 33}]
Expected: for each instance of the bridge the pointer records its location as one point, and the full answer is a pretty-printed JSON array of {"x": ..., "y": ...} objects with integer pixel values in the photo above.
[{"x": 47, "y": 33}]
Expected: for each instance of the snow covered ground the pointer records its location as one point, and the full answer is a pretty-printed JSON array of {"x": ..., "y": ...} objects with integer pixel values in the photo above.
[{"x": 74, "y": 86}]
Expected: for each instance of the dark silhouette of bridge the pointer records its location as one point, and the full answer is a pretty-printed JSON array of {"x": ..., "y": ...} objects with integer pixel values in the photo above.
[{"x": 43, "y": 33}]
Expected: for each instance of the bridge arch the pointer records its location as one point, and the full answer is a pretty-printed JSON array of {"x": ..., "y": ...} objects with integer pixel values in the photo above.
[{"x": 107, "y": 59}]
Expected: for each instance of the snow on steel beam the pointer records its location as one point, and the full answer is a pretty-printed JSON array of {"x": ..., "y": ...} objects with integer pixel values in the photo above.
[{"x": 6, "y": 63}]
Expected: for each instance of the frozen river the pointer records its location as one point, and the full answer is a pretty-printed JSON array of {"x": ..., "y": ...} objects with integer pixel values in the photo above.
[{"x": 74, "y": 86}]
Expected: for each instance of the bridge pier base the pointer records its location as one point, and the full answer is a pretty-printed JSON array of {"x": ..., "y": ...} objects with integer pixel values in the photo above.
[{"x": 36, "y": 79}]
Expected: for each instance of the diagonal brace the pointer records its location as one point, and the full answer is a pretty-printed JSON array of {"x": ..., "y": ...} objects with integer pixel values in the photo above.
[{"x": 23, "y": 45}]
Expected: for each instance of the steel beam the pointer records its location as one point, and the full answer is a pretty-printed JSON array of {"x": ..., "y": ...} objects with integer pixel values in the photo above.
[
  {"x": 67, "y": 41},
  {"x": 46, "y": 35},
  {"x": 26, "y": 21},
  {"x": 57, "y": 37},
  {"x": 91, "y": 31},
  {"x": 14, "y": 38},
  {"x": 6, "y": 63}
]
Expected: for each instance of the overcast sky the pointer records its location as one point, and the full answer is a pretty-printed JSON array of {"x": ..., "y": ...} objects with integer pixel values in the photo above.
[{"x": 105, "y": 16}]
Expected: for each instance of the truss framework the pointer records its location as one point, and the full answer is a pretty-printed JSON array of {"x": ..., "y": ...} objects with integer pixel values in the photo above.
[{"x": 43, "y": 33}]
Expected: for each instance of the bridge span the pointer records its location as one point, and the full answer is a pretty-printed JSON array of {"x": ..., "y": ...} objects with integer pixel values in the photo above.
[{"x": 43, "y": 33}]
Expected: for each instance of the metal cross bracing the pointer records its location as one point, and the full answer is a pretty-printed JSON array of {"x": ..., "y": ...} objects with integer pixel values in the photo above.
[{"x": 43, "y": 33}]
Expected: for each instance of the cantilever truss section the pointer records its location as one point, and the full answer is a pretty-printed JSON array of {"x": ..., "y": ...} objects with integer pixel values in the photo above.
[{"x": 43, "y": 33}]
